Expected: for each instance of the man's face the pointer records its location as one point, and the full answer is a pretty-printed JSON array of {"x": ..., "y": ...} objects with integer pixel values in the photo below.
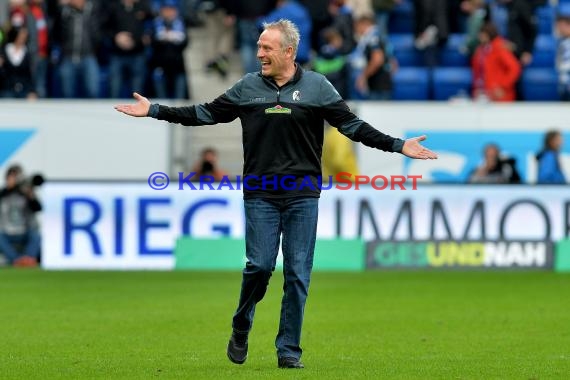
[
  {"x": 563, "y": 27},
  {"x": 274, "y": 59},
  {"x": 557, "y": 142},
  {"x": 359, "y": 28},
  {"x": 483, "y": 37},
  {"x": 169, "y": 13},
  {"x": 491, "y": 154},
  {"x": 11, "y": 180},
  {"x": 210, "y": 157},
  {"x": 79, "y": 4}
]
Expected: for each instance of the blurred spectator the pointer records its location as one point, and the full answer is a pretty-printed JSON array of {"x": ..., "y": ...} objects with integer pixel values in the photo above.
[
  {"x": 298, "y": 14},
  {"x": 320, "y": 19},
  {"x": 495, "y": 168},
  {"x": 18, "y": 225},
  {"x": 125, "y": 25},
  {"x": 220, "y": 25},
  {"x": 371, "y": 61},
  {"x": 342, "y": 21},
  {"x": 77, "y": 35},
  {"x": 38, "y": 43},
  {"x": 338, "y": 155},
  {"x": 247, "y": 13},
  {"x": 549, "y": 169},
  {"x": 563, "y": 55},
  {"x": 332, "y": 63},
  {"x": 477, "y": 12},
  {"x": 168, "y": 42},
  {"x": 383, "y": 8},
  {"x": 187, "y": 10},
  {"x": 16, "y": 66},
  {"x": 431, "y": 28},
  {"x": 208, "y": 165},
  {"x": 521, "y": 28},
  {"x": 360, "y": 8},
  {"x": 495, "y": 68},
  {"x": 18, "y": 12}
]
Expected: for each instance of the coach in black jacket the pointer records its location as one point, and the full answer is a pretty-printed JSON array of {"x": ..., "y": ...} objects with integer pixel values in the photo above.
[{"x": 282, "y": 110}]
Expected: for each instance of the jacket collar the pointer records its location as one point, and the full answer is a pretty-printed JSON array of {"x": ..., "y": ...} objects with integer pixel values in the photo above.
[{"x": 296, "y": 77}]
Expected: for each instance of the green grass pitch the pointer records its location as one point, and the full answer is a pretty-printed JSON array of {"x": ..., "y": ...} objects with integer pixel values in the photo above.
[{"x": 373, "y": 325}]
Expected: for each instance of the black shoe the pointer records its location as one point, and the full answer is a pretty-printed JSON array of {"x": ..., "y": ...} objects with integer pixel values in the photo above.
[
  {"x": 237, "y": 348},
  {"x": 221, "y": 66},
  {"x": 289, "y": 363}
]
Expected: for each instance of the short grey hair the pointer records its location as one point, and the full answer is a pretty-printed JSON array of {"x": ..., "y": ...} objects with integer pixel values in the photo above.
[{"x": 290, "y": 35}]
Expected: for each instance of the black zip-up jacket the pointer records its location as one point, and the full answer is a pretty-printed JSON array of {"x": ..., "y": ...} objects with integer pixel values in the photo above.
[
  {"x": 282, "y": 129},
  {"x": 522, "y": 26},
  {"x": 77, "y": 31},
  {"x": 120, "y": 18}
]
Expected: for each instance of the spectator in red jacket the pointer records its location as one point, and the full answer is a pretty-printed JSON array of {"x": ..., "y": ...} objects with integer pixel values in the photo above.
[{"x": 495, "y": 68}]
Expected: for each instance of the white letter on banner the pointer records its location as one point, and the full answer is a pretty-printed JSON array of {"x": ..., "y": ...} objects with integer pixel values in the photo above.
[{"x": 536, "y": 253}]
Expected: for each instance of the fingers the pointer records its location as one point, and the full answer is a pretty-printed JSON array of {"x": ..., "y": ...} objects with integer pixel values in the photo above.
[
  {"x": 421, "y": 138},
  {"x": 425, "y": 154},
  {"x": 138, "y": 96},
  {"x": 124, "y": 108},
  {"x": 428, "y": 154}
]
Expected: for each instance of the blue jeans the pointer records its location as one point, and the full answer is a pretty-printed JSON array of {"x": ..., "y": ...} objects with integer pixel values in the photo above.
[
  {"x": 169, "y": 85},
  {"x": 31, "y": 240},
  {"x": 127, "y": 69},
  {"x": 266, "y": 221},
  {"x": 40, "y": 77},
  {"x": 380, "y": 95},
  {"x": 85, "y": 70}
]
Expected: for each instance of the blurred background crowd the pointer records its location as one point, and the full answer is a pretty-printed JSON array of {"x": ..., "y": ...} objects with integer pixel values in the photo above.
[{"x": 494, "y": 50}]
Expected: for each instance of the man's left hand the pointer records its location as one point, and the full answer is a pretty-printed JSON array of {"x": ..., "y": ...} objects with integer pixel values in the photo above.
[{"x": 413, "y": 149}]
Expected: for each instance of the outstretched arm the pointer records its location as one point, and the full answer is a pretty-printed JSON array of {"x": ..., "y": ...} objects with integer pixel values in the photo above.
[
  {"x": 223, "y": 109},
  {"x": 337, "y": 114}
]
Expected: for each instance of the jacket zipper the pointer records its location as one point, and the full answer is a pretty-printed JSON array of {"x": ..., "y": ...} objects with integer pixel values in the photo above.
[{"x": 278, "y": 92}]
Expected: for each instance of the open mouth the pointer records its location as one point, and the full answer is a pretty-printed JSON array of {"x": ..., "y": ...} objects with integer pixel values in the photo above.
[{"x": 265, "y": 64}]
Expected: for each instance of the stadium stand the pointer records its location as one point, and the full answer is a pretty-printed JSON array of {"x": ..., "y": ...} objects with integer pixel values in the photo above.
[
  {"x": 540, "y": 84},
  {"x": 452, "y": 55},
  {"x": 411, "y": 83},
  {"x": 544, "y": 51},
  {"x": 449, "y": 82},
  {"x": 404, "y": 50},
  {"x": 401, "y": 28}
]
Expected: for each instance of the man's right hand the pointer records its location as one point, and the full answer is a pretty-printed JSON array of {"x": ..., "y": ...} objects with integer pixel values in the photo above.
[{"x": 139, "y": 109}]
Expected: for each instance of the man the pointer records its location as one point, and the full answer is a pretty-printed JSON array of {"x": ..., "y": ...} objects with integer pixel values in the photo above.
[
  {"x": 125, "y": 26},
  {"x": 495, "y": 168},
  {"x": 282, "y": 109},
  {"x": 18, "y": 226},
  {"x": 77, "y": 33},
  {"x": 208, "y": 165},
  {"x": 371, "y": 61}
]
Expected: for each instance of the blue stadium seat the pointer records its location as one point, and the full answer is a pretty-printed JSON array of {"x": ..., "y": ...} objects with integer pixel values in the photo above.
[
  {"x": 402, "y": 18},
  {"x": 451, "y": 81},
  {"x": 563, "y": 7},
  {"x": 451, "y": 55},
  {"x": 404, "y": 50},
  {"x": 411, "y": 83},
  {"x": 544, "y": 53},
  {"x": 540, "y": 84},
  {"x": 545, "y": 15}
]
